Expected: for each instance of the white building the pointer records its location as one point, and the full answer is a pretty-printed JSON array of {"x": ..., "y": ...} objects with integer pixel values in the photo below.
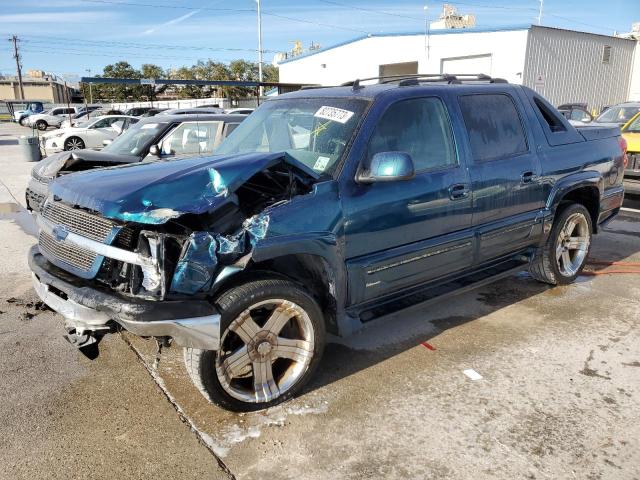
[{"x": 562, "y": 65}]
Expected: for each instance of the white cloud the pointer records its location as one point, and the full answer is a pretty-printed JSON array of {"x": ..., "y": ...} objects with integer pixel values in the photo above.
[{"x": 170, "y": 22}]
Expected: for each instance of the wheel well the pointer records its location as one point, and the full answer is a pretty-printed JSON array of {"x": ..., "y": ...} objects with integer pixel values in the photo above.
[
  {"x": 589, "y": 197},
  {"x": 310, "y": 271}
]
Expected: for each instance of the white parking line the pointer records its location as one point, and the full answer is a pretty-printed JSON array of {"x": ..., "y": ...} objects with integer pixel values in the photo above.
[{"x": 626, "y": 209}]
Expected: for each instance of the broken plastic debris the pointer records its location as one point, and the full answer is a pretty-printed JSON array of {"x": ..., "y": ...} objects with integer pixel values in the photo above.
[
  {"x": 256, "y": 227},
  {"x": 472, "y": 374},
  {"x": 194, "y": 271}
]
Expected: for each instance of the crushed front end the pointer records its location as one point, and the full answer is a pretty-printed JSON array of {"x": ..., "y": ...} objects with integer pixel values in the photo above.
[{"x": 152, "y": 269}]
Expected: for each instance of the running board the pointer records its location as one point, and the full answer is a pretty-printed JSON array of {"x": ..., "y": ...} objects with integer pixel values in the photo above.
[{"x": 430, "y": 293}]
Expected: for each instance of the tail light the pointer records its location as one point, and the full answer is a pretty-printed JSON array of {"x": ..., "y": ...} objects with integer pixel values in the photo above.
[{"x": 623, "y": 146}]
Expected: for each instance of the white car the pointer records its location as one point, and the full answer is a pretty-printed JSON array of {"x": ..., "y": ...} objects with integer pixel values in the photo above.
[
  {"x": 51, "y": 118},
  {"x": 91, "y": 134}
]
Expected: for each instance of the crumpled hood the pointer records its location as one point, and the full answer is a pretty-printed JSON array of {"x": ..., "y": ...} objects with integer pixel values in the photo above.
[
  {"x": 154, "y": 193},
  {"x": 49, "y": 168}
]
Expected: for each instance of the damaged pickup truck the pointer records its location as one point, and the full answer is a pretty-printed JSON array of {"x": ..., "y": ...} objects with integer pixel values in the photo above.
[{"x": 325, "y": 209}]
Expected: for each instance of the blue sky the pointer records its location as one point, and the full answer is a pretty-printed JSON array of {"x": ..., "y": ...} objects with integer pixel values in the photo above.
[{"x": 68, "y": 37}]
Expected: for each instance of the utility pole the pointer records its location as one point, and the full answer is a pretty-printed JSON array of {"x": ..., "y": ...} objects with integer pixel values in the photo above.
[
  {"x": 16, "y": 55},
  {"x": 88, "y": 70},
  {"x": 259, "y": 49},
  {"x": 540, "y": 12},
  {"x": 427, "y": 32}
]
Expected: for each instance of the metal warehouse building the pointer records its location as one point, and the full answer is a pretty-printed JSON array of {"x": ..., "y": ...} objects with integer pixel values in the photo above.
[{"x": 562, "y": 65}]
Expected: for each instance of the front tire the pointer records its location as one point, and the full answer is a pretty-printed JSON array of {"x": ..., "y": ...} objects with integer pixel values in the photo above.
[
  {"x": 42, "y": 125},
  {"x": 22, "y": 121},
  {"x": 272, "y": 339},
  {"x": 73, "y": 143},
  {"x": 565, "y": 253}
]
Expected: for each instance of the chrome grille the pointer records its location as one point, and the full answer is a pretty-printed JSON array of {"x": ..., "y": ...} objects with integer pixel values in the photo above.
[
  {"x": 78, "y": 221},
  {"x": 71, "y": 255}
]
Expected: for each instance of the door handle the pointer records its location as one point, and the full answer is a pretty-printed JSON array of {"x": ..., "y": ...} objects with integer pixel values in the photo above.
[
  {"x": 458, "y": 191},
  {"x": 527, "y": 177}
]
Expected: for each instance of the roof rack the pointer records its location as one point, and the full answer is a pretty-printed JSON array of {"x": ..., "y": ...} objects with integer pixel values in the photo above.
[{"x": 416, "y": 79}]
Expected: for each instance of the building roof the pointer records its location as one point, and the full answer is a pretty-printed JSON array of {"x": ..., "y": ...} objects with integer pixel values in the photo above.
[{"x": 449, "y": 31}]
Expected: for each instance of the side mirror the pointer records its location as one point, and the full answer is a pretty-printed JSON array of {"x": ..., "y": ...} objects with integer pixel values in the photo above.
[
  {"x": 387, "y": 167},
  {"x": 154, "y": 150},
  {"x": 106, "y": 142}
]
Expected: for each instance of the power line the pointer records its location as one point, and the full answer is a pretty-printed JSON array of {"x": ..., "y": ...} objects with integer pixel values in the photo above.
[
  {"x": 370, "y": 10},
  {"x": 145, "y": 46},
  {"x": 112, "y": 55},
  {"x": 172, "y": 7},
  {"x": 243, "y": 10}
]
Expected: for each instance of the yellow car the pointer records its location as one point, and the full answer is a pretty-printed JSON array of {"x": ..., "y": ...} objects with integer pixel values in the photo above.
[{"x": 631, "y": 133}]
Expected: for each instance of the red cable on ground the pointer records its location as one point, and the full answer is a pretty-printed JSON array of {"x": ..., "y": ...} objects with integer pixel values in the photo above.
[
  {"x": 603, "y": 262},
  {"x": 610, "y": 272}
]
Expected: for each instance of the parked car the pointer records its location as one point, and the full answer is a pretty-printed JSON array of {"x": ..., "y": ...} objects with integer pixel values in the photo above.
[
  {"x": 82, "y": 116},
  {"x": 396, "y": 193},
  {"x": 171, "y": 137},
  {"x": 51, "y": 118},
  {"x": 242, "y": 111},
  {"x": 576, "y": 112},
  {"x": 192, "y": 111},
  {"x": 152, "y": 112},
  {"x": 90, "y": 134},
  {"x": 631, "y": 133},
  {"x": 33, "y": 108},
  {"x": 618, "y": 114},
  {"x": 137, "y": 111}
]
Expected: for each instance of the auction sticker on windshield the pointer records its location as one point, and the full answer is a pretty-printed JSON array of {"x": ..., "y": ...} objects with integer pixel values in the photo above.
[{"x": 332, "y": 113}]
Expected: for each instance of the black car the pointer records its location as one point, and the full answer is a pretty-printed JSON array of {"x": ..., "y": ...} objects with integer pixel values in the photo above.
[{"x": 170, "y": 135}]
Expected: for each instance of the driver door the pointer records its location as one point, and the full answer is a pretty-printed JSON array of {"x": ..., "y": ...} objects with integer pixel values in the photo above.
[{"x": 406, "y": 232}]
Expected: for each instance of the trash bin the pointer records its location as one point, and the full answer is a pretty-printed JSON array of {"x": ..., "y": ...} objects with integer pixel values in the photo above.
[{"x": 30, "y": 148}]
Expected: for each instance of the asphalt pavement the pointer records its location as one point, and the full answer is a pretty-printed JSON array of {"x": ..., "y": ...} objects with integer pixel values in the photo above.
[{"x": 515, "y": 380}]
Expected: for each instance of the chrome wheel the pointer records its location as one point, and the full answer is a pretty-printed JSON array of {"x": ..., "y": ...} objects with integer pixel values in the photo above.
[
  {"x": 74, "y": 144},
  {"x": 265, "y": 351},
  {"x": 573, "y": 244}
]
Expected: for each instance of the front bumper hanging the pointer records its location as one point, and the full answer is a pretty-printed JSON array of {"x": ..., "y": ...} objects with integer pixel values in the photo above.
[{"x": 191, "y": 323}]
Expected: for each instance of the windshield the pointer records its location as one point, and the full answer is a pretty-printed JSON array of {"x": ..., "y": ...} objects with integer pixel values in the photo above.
[
  {"x": 634, "y": 126},
  {"x": 314, "y": 131},
  {"x": 619, "y": 114},
  {"x": 136, "y": 139}
]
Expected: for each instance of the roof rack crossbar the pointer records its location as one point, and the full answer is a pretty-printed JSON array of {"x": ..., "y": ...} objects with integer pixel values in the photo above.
[{"x": 417, "y": 78}]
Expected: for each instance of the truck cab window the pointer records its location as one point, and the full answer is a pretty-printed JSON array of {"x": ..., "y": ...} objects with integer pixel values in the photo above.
[
  {"x": 494, "y": 126},
  {"x": 420, "y": 127},
  {"x": 553, "y": 121}
]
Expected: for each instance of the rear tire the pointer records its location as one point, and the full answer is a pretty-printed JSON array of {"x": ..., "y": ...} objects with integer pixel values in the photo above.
[
  {"x": 272, "y": 338},
  {"x": 42, "y": 125},
  {"x": 564, "y": 255}
]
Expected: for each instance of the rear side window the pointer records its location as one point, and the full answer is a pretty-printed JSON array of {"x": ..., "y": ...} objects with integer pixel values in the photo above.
[
  {"x": 551, "y": 118},
  {"x": 419, "y": 127},
  {"x": 493, "y": 125}
]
